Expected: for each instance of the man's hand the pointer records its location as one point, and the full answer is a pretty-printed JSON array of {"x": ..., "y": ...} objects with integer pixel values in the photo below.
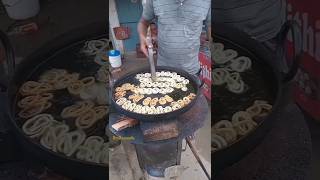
[
  {"x": 143, "y": 45},
  {"x": 209, "y": 33}
]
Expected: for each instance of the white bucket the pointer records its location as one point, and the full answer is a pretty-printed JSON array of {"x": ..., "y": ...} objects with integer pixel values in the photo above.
[
  {"x": 115, "y": 58},
  {"x": 21, "y": 9}
]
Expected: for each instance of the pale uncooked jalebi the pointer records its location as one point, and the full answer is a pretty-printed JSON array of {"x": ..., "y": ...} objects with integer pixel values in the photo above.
[
  {"x": 69, "y": 142},
  {"x": 222, "y": 57},
  {"x": 226, "y": 132},
  {"x": 37, "y": 125},
  {"x": 219, "y": 76},
  {"x": 225, "y": 129},
  {"x": 95, "y": 47},
  {"x": 216, "y": 47},
  {"x": 243, "y": 122},
  {"x": 233, "y": 80},
  {"x": 91, "y": 149},
  {"x": 227, "y": 68},
  {"x": 240, "y": 64},
  {"x": 217, "y": 142},
  {"x": 259, "y": 109},
  {"x": 229, "y": 134},
  {"x": 103, "y": 155},
  {"x": 53, "y": 133},
  {"x": 234, "y": 83}
]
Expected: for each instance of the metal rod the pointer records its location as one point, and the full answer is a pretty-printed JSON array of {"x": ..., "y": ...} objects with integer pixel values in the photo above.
[
  {"x": 150, "y": 55},
  {"x": 197, "y": 157}
]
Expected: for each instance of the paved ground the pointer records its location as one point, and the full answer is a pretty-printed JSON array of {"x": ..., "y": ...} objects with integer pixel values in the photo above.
[{"x": 314, "y": 127}]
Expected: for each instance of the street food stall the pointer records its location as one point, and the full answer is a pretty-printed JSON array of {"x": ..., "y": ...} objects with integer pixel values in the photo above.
[{"x": 157, "y": 134}]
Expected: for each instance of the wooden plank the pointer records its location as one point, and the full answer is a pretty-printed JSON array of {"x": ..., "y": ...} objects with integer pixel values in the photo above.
[{"x": 124, "y": 123}]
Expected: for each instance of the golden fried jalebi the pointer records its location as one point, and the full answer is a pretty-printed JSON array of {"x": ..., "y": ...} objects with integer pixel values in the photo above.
[
  {"x": 75, "y": 87},
  {"x": 35, "y": 109},
  {"x": 87, "y": 119},
  {"x": 33, "y": 88},
  {"x": 34, "y": 99},
  {"x": 76, "y": 109},
  {"x": 101, "y": 111},
  {"x": 63, "y": 82}
]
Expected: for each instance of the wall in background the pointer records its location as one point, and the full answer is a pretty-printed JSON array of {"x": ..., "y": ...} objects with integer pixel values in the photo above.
[{"x": 129, "y": 13}]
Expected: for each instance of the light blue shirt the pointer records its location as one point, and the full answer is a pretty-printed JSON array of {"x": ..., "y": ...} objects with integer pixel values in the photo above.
[
  {"x": 180, "y": 25},
  {"x": 261, "y": 19}
]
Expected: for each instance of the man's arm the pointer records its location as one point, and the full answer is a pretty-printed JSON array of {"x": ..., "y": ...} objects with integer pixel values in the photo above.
[
  {"x": 208, "y": 24},
  {"x": 142, "y": 30},
  {"x": 209, "y": 33},
  {"x": 146, "y": 18}
]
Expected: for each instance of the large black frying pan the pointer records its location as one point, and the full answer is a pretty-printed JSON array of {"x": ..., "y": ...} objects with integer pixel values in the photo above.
[
  {"x": 62, "y": 52},
  {"x": 193, "y": 87},
  {"x": 275, "y": 84}
]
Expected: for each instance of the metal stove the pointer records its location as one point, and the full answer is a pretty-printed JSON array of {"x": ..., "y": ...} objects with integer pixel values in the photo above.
[{"x": 158, "y": 144}]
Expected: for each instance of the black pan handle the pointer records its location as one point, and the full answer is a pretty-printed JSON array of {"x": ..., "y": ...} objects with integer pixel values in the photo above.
[
  {"x": 10, "y": 60},
  {"x": 294, "y": 28}
]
